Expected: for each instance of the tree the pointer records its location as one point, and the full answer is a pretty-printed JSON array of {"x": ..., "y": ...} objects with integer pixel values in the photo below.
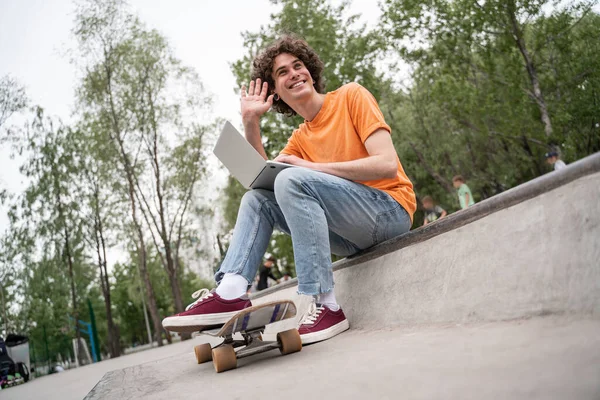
[
  {"x": 107, "y": 37},
  {"x": 137, "y": 96},
  {"x": 489, "y": 89},
  {"x": 48, "y": 210},
  {"x": 12, "y": 98},
  {"x": 127, "y": 294},
  {"x": 99, "y": 204}
]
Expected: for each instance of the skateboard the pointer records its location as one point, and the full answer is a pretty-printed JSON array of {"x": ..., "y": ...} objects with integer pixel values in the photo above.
[{"x": 251, "y": 323}]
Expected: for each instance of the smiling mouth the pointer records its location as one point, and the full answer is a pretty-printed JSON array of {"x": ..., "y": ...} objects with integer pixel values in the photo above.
[{"x": 295, "y": 85}]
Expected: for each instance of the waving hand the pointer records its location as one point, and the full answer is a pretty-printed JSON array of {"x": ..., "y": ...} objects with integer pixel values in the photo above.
[{"x": 255, "y": 102}]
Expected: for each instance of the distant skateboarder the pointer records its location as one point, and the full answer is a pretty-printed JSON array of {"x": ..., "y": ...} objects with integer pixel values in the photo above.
[{"x": 351, "y": 193}]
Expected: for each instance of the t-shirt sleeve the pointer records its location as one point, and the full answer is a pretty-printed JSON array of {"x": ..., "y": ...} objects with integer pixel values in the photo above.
[
  {"x": 292, "y": 148},
  {"x": 365, "y": 113},
  {"x": 439, "y": 209}
]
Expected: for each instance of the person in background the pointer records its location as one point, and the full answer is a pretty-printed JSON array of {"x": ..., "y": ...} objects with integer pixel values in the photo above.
[
  {"x": 433, "y": 212},
  {"x": 265, "y": 272},
  {"x": 553, "y": 158},
  {"x": 464, "y": 193}
]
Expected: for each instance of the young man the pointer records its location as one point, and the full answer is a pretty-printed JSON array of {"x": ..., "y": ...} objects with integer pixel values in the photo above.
[
  {"x": 351, "y": 193},
  {"x": 433, "y": 212},
  {"x": 464, "y": 193},
  {"x": 553, "y": 158}
]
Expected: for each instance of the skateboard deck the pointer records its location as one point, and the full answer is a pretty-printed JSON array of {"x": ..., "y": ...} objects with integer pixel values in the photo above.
[
  {"x": 250, "y": 323},
  {"x": 255, "y": 317}
]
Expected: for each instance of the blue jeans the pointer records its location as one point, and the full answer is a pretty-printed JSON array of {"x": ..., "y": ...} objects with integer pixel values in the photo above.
[{"x": 324, "y": 214}]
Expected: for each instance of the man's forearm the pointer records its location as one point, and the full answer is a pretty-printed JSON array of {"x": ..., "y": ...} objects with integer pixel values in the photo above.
[
  {"x": 363, "y": 169},
  {"x": 252, "y": 132}
]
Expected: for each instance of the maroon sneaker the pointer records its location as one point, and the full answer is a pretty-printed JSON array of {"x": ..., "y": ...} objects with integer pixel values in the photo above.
[
  {"x": 210, "y": 310},
  {"x": 320, "y": 323}
]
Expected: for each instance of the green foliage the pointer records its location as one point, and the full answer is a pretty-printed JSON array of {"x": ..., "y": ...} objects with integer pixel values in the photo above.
[
  {"x": 12, "y": 98},
  {"x": 138, "y": 138},
  {"x": 471, "y": 109},
  {"x": 139, "y": 97},
  {"x": 127, "y": 296}
]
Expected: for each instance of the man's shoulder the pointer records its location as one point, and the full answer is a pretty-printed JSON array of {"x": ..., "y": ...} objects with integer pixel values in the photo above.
[
  {"x": 347, "y": 89},
  {"x": 351, "y": 87}
]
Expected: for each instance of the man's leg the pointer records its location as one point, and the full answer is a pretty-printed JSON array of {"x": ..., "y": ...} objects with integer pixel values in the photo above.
[
  {"x": 320, "y": 208},
  {"x": 257, "y": 216},
  {"x": 339, "y": 247}
]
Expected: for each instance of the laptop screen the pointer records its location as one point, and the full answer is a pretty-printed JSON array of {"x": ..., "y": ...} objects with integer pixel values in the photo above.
[{"x": 240, "y": 157}]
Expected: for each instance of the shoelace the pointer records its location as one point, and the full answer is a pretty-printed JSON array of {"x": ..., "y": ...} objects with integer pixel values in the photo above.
[
  {"x": 200, "y": 295},
  {"x": 312, "y": 314}
]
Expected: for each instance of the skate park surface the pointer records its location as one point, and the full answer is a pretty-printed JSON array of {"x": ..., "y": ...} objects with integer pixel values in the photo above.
[{"x": 501, "y": 300}]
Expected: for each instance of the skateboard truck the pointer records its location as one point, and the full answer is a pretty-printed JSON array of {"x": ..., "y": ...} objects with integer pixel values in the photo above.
[{"x": 251, "y": 323}]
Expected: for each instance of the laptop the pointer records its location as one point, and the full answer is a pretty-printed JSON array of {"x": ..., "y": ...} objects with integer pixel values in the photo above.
[{"x": 244, "y": 162}]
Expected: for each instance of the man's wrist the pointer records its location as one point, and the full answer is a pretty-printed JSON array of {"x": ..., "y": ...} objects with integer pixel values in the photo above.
[
  {"x": 320, "y": 167},
  {"x": 250, "y": 121}
]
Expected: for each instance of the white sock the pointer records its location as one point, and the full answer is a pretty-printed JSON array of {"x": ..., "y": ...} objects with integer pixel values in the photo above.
[
  {"x": 328, "y": 299},
  {"x": 232, "y": 286}
]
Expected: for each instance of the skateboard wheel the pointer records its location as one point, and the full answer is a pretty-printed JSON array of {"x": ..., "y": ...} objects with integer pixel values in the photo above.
[
  {"x": 289, "y": 341},
  {"x": 224, "y": 358},
  {"x": 203, "y": 353}
]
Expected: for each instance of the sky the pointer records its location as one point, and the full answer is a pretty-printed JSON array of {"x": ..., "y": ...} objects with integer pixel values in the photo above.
[{"x": 35, "y": 36}]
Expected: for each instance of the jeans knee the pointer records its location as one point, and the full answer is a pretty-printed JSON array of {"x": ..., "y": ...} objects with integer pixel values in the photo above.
[
  {"x": 252, "y": 198},
  {"x": 288, "y": 182}
]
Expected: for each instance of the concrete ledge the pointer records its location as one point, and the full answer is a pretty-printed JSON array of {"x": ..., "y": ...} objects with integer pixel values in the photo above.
[
  {"x": 532, "y": 250},
  {"x": 516, "y": 195}
]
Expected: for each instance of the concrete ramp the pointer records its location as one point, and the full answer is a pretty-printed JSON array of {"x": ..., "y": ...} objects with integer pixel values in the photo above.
[
  {"x": 498, "y": 301},
  {"x": 531, "y": 251}
]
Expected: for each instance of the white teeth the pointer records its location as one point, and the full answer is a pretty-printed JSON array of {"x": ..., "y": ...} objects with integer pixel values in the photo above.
[{"x": 296, "y": 84}]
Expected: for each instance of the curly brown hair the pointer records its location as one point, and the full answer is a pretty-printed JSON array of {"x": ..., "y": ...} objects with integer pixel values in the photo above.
[{"x": 262, "y": 66}]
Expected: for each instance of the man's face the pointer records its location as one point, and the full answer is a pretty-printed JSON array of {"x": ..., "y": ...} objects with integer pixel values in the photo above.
[
  {"x": 292, "y": 80},
  {"x": 551, "y": 160},
  {"x": 428, "y": 205},
  {"x": 457, "y": 184},
  {"x": 268, "y": 263}
]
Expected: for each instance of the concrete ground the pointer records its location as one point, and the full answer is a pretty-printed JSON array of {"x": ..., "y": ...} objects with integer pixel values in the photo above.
[
  {"x": 543, "y": 358},
  {"x": 76, "y": 383}
]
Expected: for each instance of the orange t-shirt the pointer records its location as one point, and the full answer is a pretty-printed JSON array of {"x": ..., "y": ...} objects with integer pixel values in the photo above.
[{"x": 348, "y": 117}]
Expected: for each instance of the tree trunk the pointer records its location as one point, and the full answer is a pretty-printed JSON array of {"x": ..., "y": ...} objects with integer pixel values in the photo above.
[
  {"x": 113, "y": 337},
  {"x": 143, "y": 263},
  {"x": 67, "y": 254},
  {"x": 171, "y": 267},
  {"x": 73, "y": 293},
  {"x": 115, "y": 346},
  {"x": 530, "y": 67},
  {"x": 116, "y": 135}
]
